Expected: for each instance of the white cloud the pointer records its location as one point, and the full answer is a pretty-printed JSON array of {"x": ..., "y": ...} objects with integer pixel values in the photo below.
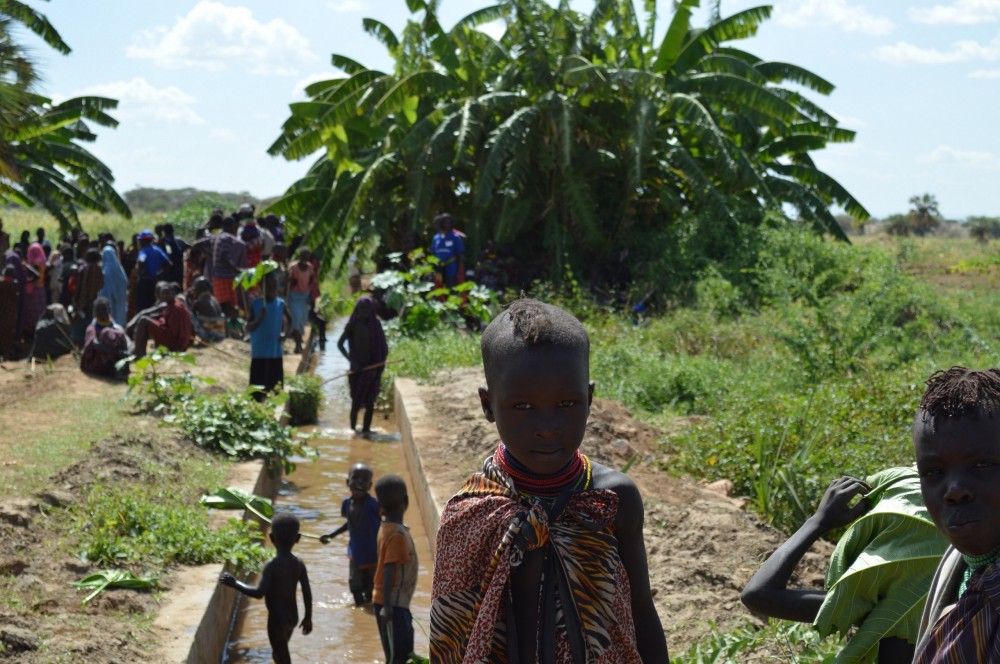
[
  {"x": 222, "y": 134},
  {"x": 985, "y": 73},
  {"x": 831, "y": 13},
  {"x": 346, "y": 6},
  {"x": 961, "y": 51},
  {"x": 849, "y": 121},
  {"x": 960, "y": 12},
  {"x": 140, "y": 102},
  {"x": 945, "y": 153},
  {"x": 212, "y": 35}
]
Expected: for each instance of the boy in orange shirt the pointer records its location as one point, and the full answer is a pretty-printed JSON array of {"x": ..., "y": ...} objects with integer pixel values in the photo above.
[{"x": 396, "y": 573}]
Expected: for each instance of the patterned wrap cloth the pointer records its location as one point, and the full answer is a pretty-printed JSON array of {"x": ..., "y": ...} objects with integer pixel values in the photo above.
[
  {"x": 969, "y": 632},
  {"x": 485, "y": 531}
]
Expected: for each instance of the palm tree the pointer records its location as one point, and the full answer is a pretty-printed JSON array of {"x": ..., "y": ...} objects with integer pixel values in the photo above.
[
  {"x": 41, "y": 160},
  {"x": 924, "y": 215}
]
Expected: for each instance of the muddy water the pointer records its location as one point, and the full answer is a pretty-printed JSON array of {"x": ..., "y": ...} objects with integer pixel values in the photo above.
[{"x": 314, "y": 492}]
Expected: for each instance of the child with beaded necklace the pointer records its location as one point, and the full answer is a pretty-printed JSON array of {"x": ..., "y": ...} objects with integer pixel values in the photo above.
[{"x": 540, "y": 557}]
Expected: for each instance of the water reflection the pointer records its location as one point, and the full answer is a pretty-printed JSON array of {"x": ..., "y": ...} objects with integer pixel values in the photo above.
[{"x": 341, "y": 633}]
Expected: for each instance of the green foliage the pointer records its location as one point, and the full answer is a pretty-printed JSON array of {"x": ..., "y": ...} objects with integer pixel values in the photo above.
[
  {"x": 159, "y": 380},
  {"x": 250, "y": 277},
  {"x": 141, "y": 525},
  {"x": 305, "y": 396},
  {"x": 151, "y": 199},
  {"x": 421, "y": 307},
  {"x": 236, "y": 425},
  {"x": 113, "y": 578},
  {"x": 574, "y": 134},
  {"x": 234, "y": 498},
  {"x": 881, "y": 570},
  {"x": 194, "y": 213},
  {"x": 780, "y": 641}
]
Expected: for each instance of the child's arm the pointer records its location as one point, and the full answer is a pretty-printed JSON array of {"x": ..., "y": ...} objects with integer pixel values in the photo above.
[
  {"x": 307, "y": 600},
  {"x": 387, "y": 573},
  {"x": 325, "y": 539},
  {"x": 767, "y": 593},
  {"x": 342, "y": 343},
  {"x": 252, "y": 324},
  {"x": 650, "y": 638},
  {"x": 228, "y": 579}
]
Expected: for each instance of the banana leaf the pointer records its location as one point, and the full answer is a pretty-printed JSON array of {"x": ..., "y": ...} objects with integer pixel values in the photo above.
[
  {"x": 237, "y": 499},
  {"x": 250, "y": 277},
  {"x": 113, "y": 578},
  {"x": 881, "y": 570}
]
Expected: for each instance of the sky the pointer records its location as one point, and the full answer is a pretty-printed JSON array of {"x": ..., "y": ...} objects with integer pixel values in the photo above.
[{"x": 204, "y": 85}]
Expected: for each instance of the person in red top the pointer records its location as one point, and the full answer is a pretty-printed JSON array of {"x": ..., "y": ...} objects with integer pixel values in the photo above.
[{"x": 168, "y": 322}]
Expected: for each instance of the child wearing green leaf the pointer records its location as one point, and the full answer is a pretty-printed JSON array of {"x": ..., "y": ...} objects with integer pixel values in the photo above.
[
  {"x": 278, "y": 582},
  {"x": 956, "y": 438},
  {"x": 878, "y": 575},
  {"x": 268, "y": 316}
]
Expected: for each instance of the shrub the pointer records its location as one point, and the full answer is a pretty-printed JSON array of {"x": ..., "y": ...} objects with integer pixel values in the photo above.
[{"x": 305, "y": 395}]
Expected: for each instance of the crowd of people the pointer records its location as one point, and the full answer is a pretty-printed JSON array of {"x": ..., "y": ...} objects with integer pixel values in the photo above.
[{"x": 109, "y": 298}]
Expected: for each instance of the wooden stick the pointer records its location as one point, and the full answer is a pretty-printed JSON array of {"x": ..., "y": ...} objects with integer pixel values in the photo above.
[{"x": 372, "y": 366}]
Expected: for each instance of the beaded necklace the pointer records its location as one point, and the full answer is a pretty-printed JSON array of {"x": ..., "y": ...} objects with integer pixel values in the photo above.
[
  {"x": 973, "y": 564},
  {"x": 575, "y": 476}
]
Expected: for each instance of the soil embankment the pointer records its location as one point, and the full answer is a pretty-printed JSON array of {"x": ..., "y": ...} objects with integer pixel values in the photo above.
[{"x": 42, "y": 618}]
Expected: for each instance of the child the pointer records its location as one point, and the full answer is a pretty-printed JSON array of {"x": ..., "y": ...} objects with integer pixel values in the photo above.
[
  {"x": 363, "y": 521},
  {"x": 267, "y": 316},
  {"x": 277, "y": 586},
  {"x": 396, "y": 574},
  {"x": 207, "y": 317},
  {"x": 540, "y": 557},
  {"x": 301, "y": 276},
  {"x": 956, "y": 438},
  {"x": 366, "y": 345}
]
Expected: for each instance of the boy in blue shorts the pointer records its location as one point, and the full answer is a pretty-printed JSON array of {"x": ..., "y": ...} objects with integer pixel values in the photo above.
[
  {"x": 267, "y": 317},
  {"x": 362, "y": 525}
]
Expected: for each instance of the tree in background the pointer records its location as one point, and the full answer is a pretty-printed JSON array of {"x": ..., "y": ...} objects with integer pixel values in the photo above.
[
  {"x": 924, "y": 215},
  {"x": 41, "y": 160},
  {"x": 572, "y": 138}
]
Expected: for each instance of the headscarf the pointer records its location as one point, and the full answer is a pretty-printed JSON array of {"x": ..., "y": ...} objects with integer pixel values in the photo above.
[
  {"x": 115, "y": 284},
  {"x": 377, "y": 346},
  {"x": 21, "y": 274},
  {"x": 36, "y": 257}
]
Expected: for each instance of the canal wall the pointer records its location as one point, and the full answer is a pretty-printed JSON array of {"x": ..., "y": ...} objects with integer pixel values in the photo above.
[
  {"x": 415, "y": 424},
  {"x": 197, "y": 614}
]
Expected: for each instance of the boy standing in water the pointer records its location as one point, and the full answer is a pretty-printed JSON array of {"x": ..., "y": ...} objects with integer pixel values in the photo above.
[
  {"x": 956, "y": 438},
  {"x": 277, "y": 586},
  {"x": 540, "y": 558},
  {"x": 396, "y": 575},
  {"x": 363, "y": 521}
]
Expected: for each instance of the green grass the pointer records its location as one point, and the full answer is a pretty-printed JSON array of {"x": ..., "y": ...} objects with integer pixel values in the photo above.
[{"x": 16, "y": 220}]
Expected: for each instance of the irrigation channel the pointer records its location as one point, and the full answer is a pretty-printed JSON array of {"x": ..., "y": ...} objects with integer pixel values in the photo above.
[{"x": 314, "y": 492}]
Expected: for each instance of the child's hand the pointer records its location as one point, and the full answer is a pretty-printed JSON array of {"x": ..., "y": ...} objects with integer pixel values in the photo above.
[
  {"x": 227, "y": 579},
  {"x": 325, "y": 539},
  {"x": 834, "y": 511},
  {"x": 386, "y": 612},
  {"x": 307, "y": 625}
]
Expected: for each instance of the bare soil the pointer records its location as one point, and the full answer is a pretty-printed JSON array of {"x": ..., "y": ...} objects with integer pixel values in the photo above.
[
  {"x": 42, "y": 618},
  {"x": 703, "y": 546}
]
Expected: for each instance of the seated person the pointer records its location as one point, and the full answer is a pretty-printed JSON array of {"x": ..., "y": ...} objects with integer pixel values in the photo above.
[
  {"x": 167, "y": 322},
  {"x": 206, "y": 312},
  {"x": 105, "y": 343},
  {"x": 52, "y": 334}
]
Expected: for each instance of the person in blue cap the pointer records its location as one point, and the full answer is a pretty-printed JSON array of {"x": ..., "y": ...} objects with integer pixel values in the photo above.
[{"x": 152, "y": 265}]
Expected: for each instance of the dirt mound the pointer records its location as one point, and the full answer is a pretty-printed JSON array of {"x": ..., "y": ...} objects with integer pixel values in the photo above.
[{"x": 703, "y": 546}]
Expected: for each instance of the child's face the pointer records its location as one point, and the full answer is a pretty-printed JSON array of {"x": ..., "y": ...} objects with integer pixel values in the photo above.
[
  {"x": 959, "y": 466},
  {"x": 540, "y": 400},
  {"x": 360, "y": 482}
]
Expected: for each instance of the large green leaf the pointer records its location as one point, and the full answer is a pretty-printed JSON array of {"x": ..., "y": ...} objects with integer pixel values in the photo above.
[
  {"x": 113, "y": 578},
  {"x": 881, "y": 570},
  {"x": 238, "y": 499}
]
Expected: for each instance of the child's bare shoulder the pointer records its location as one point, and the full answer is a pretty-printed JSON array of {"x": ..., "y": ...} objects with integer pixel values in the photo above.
[{"x": 629, "y": 498}]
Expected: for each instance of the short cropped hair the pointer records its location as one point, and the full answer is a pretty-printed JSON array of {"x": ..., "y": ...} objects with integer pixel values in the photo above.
[
  {"x": 284, "y": 528},
  {"x": 961, "y": 392},
  {"x": 527, "y": 323},
  {"x": 391, "y": 492}
]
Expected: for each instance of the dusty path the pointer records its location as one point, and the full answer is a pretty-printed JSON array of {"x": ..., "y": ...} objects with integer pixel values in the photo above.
[{"x": 703, "y": 546}]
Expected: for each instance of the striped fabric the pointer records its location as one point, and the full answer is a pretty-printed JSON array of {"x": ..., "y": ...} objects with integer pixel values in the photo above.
[{"x": 970, "y": 632}]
